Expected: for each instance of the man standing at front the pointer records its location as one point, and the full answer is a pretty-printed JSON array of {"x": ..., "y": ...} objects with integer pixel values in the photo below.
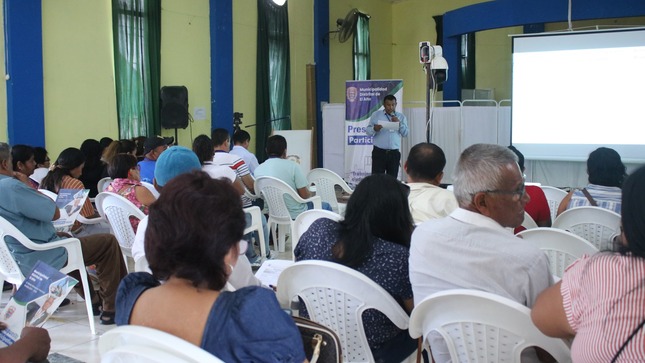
[
  {"x": 473, "y": 248},
  {"x": 387, "y": 127}
]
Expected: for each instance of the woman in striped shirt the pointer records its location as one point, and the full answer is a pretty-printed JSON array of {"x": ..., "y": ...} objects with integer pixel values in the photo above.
[{"x": 600, "y": 301}]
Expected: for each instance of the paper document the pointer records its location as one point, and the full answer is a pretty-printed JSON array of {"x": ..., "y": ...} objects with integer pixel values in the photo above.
[
  {"x": 270, "y": 270},
  {"x": 388, "y": 125},
  {"x": 69, "y": 202},
  {"x": 34, "y": 302}
]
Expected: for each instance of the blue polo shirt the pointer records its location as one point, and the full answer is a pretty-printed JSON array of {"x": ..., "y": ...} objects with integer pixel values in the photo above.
[{"x": 31, "y": 212}]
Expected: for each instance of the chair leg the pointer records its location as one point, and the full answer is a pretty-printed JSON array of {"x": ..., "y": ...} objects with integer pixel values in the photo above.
[
  {"x": 88, "y": 300},
  {"x": 283, "y": 237},
  {"x": 274, "y": 234}
]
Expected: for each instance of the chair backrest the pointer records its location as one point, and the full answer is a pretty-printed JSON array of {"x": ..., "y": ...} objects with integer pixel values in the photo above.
[
  {"x": 528, "y": 222},
  {"x": 118, "y": 210},
  {"x": 553, "y": 197},
  {"x": 49, "y": 193},
  {"x": 151, "y": 188},
  {"x": 305, "y": 219},
  {"x": 595, "y": 224},
  {"x": 273, "y": 191},
  {"x": 336, "y": 296},
  {"x": 103, "y": 184},
  {"x": 9, "y": 270},
  {"x": 561, "y": 247},
  {"x": 326, "y": 181},
  {"x": 131, "y": 343},
  {"x": 479, "y": 326}
]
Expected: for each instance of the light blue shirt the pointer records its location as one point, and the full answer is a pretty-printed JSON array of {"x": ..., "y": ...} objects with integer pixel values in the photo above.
[
  {"x": 387, "y": 139},
  {"x": 248, "y": 157},
  {"x": 31, "y": 212},
  {"x": 290, "y": 173}
]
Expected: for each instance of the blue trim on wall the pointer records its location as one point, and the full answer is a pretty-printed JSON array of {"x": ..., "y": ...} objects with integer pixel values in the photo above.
[
  {"x": 507, "y": 13},
  {"x": 24, "y": 65},
  {"x": 321, "y": 57},
  {"x": 221, "y": 40}
]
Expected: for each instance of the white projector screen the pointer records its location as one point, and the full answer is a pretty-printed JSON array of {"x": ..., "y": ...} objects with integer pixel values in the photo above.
[{"x": 576, "y": 91}]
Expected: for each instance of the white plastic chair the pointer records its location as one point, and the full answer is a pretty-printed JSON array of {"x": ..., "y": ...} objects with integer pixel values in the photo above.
[
  {"x": 151, "y": 188},
  {"x": 325, "y": 181},
  {"x": 256, "y": 225},
  {"x": 528, "y": 222},
  {"x": 595, "y": 224},
  {"x": 553, "y": 197},
  {"x": 273, "y": 191},
  {"x": 479, "y": 326},
  {"x": 11, "y": 273},
  {"x": 103, "y": 184},
  {"x": 117, "y": 210},
  {"x": 561, "y": 247},
  {"x": 132, "y": 343},
  {"x": 336, "y": 296},
  {"x": 304, "y": 220}
]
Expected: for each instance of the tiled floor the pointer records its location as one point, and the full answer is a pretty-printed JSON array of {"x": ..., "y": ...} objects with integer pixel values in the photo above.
[{"x": 70, "y": 332}]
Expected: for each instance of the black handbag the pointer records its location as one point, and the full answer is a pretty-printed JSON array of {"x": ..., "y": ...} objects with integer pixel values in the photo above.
[{"x": 321, "y": 343}]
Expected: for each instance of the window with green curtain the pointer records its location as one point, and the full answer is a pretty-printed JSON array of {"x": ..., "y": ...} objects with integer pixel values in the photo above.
[
  {"x": 273, "y": 80},
  {"x": 136, "y": 27},
  {"x": 361, "y": 51}
]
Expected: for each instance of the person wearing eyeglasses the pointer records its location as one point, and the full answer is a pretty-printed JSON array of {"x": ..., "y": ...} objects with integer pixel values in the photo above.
[
  {"x": 124, "y": 171},
  {"x": 474, "y": 247}
]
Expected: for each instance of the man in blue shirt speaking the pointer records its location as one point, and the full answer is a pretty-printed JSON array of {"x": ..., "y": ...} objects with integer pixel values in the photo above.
[{"x": 387, "y": 126}]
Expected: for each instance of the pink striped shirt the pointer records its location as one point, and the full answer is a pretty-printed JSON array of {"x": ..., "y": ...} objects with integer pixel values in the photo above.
[{"x": 604, "y": 300}]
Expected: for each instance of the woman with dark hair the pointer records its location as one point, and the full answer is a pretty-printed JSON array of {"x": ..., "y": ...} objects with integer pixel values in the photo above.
[
  {"x": 94, "y": 169},
  {"x": 193, "y": 253},
  {"x": 119, "y": 147},
  {"x": 65, "y": 175},
  {"x": 606, "y": 174},
  {"x": 124, "y": 171},
  {"x": 374, "y": 239},
  {"x": 22, "y": 157},
  {"x": 600, "y": 301},
  {"x": 41, "y": 158}
]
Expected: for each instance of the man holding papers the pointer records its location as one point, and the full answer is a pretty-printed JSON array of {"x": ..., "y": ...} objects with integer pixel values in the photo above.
[{"x": 387, "y": 126}]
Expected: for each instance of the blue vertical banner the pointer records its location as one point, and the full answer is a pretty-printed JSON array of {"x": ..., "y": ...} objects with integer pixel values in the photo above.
[{"x": 362, "y": 99}]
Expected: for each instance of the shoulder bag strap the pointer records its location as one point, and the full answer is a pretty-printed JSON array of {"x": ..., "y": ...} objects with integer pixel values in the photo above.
[{"x": 589, "y": 198}]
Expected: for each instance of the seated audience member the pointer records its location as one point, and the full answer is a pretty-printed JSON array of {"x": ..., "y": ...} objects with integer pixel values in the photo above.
[
  {"x": 373, "y": 239},
  {"x": 32, "y": 213},
  {"x": 42, "y": 164},
  {"x": 124, "y": 171},
  {"x": 119, "y": 147},
  {"x": 606, "y": 174},
  {"x": 538, "y": 206},
  {"x": 153, "y": 148},
  {"x": 278, "y": 166},
  {"x": 33, "y": 346},
  {"x": 599, "y": 301},
  {"x": 67, "y": 168},
  {"x": 139, "y": 140},
  {"x": 176, "y": 161},
  {"x": 104, "y": 143},
  {"x": 204, "y": 149},
  {"x": 22, "y": 157},
  {"x": 95, "y": 169},
  {"x": 193, "y": 253},
  {"x": 472, "y": 247},
  {"x": 241, "y": 140},
  {"x": 424, "y": 169}
]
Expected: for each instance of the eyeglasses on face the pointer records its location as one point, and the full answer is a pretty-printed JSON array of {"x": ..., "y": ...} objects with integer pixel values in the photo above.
[{"x": 515, "y": 194}]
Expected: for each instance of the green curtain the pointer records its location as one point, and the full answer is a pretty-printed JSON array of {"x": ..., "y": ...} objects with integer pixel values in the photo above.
[
  {"x": 361, "y": 51},
  {"x": 273, "y": 80},
  {"x": 136, "y": 26}
]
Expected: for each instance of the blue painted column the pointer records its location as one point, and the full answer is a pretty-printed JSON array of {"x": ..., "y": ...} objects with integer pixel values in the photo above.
[
  {"x": 221, "y": 29},
  {"x": 321, "y": 57},
  {"x": 24, "y": 66}
]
